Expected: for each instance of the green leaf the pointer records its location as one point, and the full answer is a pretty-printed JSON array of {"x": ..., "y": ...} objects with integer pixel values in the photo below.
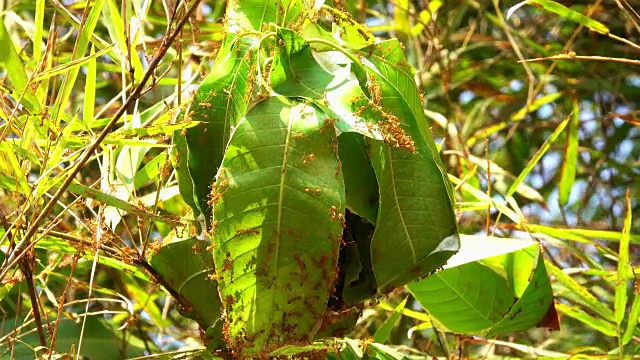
[
  {"x": 599, "y": 324},
  {"x": 359, "y": 279},
  {"x": 295, "y": 72},
  {"x": 491, "y": 287},
  {"x": 150, "y": 171},
  {"x": 278, "y": 211},
  {"x": 117, "y": 203},
  {"x": 324, "y": 77},
  {"x": 632, "y": 321},
  {"x": 354, "y": 34},
  {"x": 502, "y": 179},
  {"x": 90, "y": 90},
  {"x": 185, "y": 265},
  {"x": 384, "y": 331},
  {"x": 50, "y": 243},
  {"x": 179, "y": 159},
  {"x": 535, "y": 105},
  {"x": 416, "y": 227},
  {"x": 84, "y": 37},
  {"x": 16, "y": 72},
  {"x": 71, "y": 65},
  {"x": 583, "y": 295},
  {"x": 401, "y": 18},
  {"x": 622, "y": 282},
  {"x": 537, "y": 156},
  {"x": 252, "y": 15},
  {"x": 359, "y": 177},
  {"x": 384, "y": 352},
  {"x": 426, "y": 16},
  {"x": 570, "y": 158},
  {"x": 572, "y": 15},
  {"x": 116, "y": 25},
  {"x": 152, "y": 131},
  {"x": 292, "y": 350},
  {"x": 392, "y": 65},
  {"x": 219, "y": 104}
]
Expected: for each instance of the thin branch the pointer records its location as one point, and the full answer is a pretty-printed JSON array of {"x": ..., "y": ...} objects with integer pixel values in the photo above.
[{"x": 572, "y": 56}]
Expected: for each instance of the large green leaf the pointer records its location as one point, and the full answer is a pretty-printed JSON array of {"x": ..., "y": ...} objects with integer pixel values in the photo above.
[
  {"x": 252, "y": 15},
  {"x": 491, "y": 287},
  {"x": 325, "y": 77},
  {"x": 391, "y": 64},
  {"x": 359, "y": 177},
  {"x": 278, "y": 217},
  {"x": 294, "y": 71},
  {"x": 185, "y": 265},
  {"x": 219, "y": 104},
  {"x": 416, "y": 226}
]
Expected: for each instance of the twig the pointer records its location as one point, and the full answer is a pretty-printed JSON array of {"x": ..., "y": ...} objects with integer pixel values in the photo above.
[
  {"x": 26, "y": 271},
  {"x": 61, "y": 304},
  {"x": 572, "y": 56}
]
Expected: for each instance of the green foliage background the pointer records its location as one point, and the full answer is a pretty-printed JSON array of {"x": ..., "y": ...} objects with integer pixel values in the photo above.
[{"x": 545, "y": 150}]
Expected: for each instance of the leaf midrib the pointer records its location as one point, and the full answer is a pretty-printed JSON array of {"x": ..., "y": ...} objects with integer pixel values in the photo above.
[
  {"x": 226, "y": 135},
  {"x": 396, "y": 199},
  {"x": 287, "y": 146}
]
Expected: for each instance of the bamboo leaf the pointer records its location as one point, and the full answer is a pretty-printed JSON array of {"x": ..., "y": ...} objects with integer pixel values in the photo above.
[
  {"x": 426, "y": 16},
  {"x": 622, "y": 282},
  {"x": 583, "y": 295},
  {"x": 90, "y": 90},
  {"x": 572, "y": 15},
  {"x": 150, "y": 171},
  {"x": 632, "y": 321},
  {"x": 384, "y": 331},
  {"x": 71, "y": 65},
  {"x": 117, "y": 203},
  {"x": 577, "y": 234},
  {"x": 503, "y": 179},
  {"x": 401, "y": 20},
  {"x": 535, "y": 105},
  {"x": 538, "y": 155},
  {"x": 80, "y": 49},
  {"x": 152, "y": 131},
  {"x": 601, "y": 325},
  {"x": 39, "y": 30},
  {"x": 570, "y": 159},
  {"x": 115, "y": 25},
  {"x": 16, "y": 72}
]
